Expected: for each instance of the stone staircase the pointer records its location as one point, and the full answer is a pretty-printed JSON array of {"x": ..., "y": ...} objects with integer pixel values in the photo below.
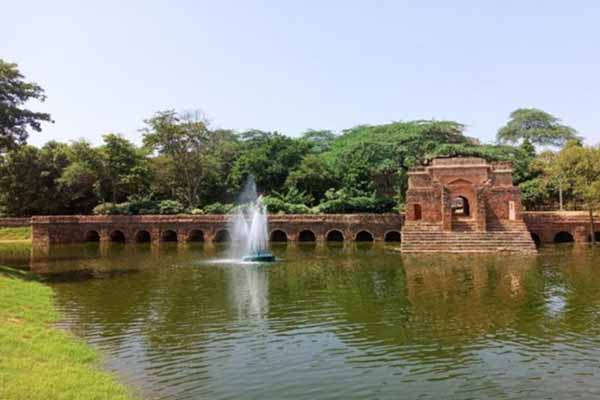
[{"x": 501, "y": 236}]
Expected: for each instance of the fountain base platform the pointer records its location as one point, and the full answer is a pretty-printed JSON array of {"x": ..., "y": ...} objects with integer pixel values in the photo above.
[{"x": 261, "y": 256}]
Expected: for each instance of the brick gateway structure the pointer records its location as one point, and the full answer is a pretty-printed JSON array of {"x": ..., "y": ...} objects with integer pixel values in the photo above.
[{"x": 464, "y": 205}]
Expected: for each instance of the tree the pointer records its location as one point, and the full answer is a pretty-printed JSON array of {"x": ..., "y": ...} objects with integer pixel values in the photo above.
[
  {"x": 320, "y": 140},
  {"x": 125, "y": 171},
  {"x": 269, "y": 157},
  {"x": 182, "y": 139},
  {"x": 313, "y": 176},
  {"x": 537, "y": 127},
  {"x": 15, "y": 120},
  {"x": 81, "y": 178},
  {"x": 28, "y": 181},
  {"x": 581, "y": 166}
]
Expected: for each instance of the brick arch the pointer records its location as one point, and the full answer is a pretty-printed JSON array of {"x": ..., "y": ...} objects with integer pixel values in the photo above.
[
  {"x": 168, "y": 235},
  {"x": 537, "y": 238},
  {"x": 460, "y": 182},
  {"x": 117, "y": 236},
  {"x": 278, "y": 235},
  {"x": 307, "y": 235},
  {"x": 392, "y": 235},
  {"x": 91, "y": 236},
  {"x": 335, "y": 235},
  {"x": 142, "y": 236},
  {"x": 222, "y": 236},
  {"x": 195, "y": 235},
  {"x": 364, "y": 235},
  {"x": 564, "y": 237}
]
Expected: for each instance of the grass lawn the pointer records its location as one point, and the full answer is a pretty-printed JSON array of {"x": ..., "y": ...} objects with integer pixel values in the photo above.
[
  {"x": 38, "y": 360},
  {"x": 15, "y": 234}
]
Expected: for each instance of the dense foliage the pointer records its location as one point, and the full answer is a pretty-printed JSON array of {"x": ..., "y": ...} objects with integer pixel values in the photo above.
[
  {"x": 185, "y": 166},
  {"x": 15, "y": 120}
]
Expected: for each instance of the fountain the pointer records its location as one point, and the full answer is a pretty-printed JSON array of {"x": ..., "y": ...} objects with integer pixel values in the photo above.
[{"x": 249, "y": 227}]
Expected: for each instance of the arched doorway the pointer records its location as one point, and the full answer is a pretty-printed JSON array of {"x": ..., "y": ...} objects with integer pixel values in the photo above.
[
  {"x": 364, "y": 236},
  {"x": 536, "y": 239},
  {"x": 563, "y": 237},
  {"x": 168, "y": 236},
  {"x": 335, "y": 236},
  {"x": 92, "y": 236},
  {"x": 307, "y": 236},
  {"x": 278, "y": 236},
  {"x": 142, "y": 237},
  {"x": 393, "y": 236},
  {"x": 461, "y": 207},
  {"x": 117, "y": 236},
  {"x": 195, "y": 235},
  {"x": 222, "y": 236}
]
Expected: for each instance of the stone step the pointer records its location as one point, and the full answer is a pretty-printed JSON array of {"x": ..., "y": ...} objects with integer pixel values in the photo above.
[
  {"x": 500, "y": 236},
  {"x": 429, "y": 251}
]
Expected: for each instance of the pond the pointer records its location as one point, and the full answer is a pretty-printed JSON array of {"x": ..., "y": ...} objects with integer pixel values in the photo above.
[{"x": 333, "y": 322}]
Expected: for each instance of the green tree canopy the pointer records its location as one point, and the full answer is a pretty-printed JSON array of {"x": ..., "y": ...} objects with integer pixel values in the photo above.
[
  {"x": 181, "y": 138},
  {"x": 537, "y": 127},
  {"x": 15, "y": 120},
  {"x": 581, "y": 165},
  {"x": 269, "y": 157}
]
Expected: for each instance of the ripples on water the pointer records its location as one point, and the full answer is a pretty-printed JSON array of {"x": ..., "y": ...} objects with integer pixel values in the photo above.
[{"x": 336, "y": 322}]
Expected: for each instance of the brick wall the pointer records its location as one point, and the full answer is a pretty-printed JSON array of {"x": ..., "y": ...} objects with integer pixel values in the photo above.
[
  {"x": 14, "y": 222},
  {"x": 75, "y": 229}
]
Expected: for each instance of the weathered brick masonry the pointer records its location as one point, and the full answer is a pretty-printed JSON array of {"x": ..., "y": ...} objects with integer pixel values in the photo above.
[
  {"x": 544, "y": 226},
  {"x": 14, "y": 222},
  {"x": 212, "y": 228},
  {"x": 551, "y": 226}
]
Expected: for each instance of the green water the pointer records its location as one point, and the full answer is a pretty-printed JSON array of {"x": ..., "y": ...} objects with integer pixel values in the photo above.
[{"x": 334, "y": 322}]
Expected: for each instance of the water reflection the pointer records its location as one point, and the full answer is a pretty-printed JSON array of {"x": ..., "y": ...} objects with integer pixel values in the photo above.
[
  {"x": 335, "y": 321},
  {"x": 249, "y": 290}
]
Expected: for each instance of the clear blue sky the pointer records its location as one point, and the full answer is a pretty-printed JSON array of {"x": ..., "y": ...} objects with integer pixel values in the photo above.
[{"x": 294, "y": 65}]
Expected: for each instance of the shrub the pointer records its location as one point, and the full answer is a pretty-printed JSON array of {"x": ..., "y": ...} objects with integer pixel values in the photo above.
[
  {"x": 197, "y": 211},
  {"x": 144, "y": 207},
  {"x": 219, "y": 208},
  {"x": 358, "y": 204},
  {"x": 276, "y": 205},
  {"x": 171, "y": 207},
  {"x": 111, "y": 209}
]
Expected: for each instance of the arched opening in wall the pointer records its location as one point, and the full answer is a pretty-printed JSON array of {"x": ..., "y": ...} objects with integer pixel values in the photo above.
[
  {"x": 418, "y": 212},
  {"x": 142, "y": 237},
  {"x": 596, "y": 236},
  {"x": 364, "y": 236},
  {"x": 222, "y": 236},
  {"x": 536, "y": 239},
  {"x": 91, "y": 236},
  {"x": 117, "y": 237},
  {"x": 335, "y": 236},
  {"x": 168, "y": 236},
  {"x": 195, "y": 235},
  {"x": 307, "y": 236},
  {"x": 393, "y": 236},
  {"x": 278, "y": 236},
  {"x": 563, "y": 237},
  {"x": 460, "y": 207}
]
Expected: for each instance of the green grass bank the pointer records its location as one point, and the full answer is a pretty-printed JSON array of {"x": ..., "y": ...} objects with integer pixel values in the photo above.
[
  {"x": 15, "y": 234},
  {"x": 39, "y": 361}
]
